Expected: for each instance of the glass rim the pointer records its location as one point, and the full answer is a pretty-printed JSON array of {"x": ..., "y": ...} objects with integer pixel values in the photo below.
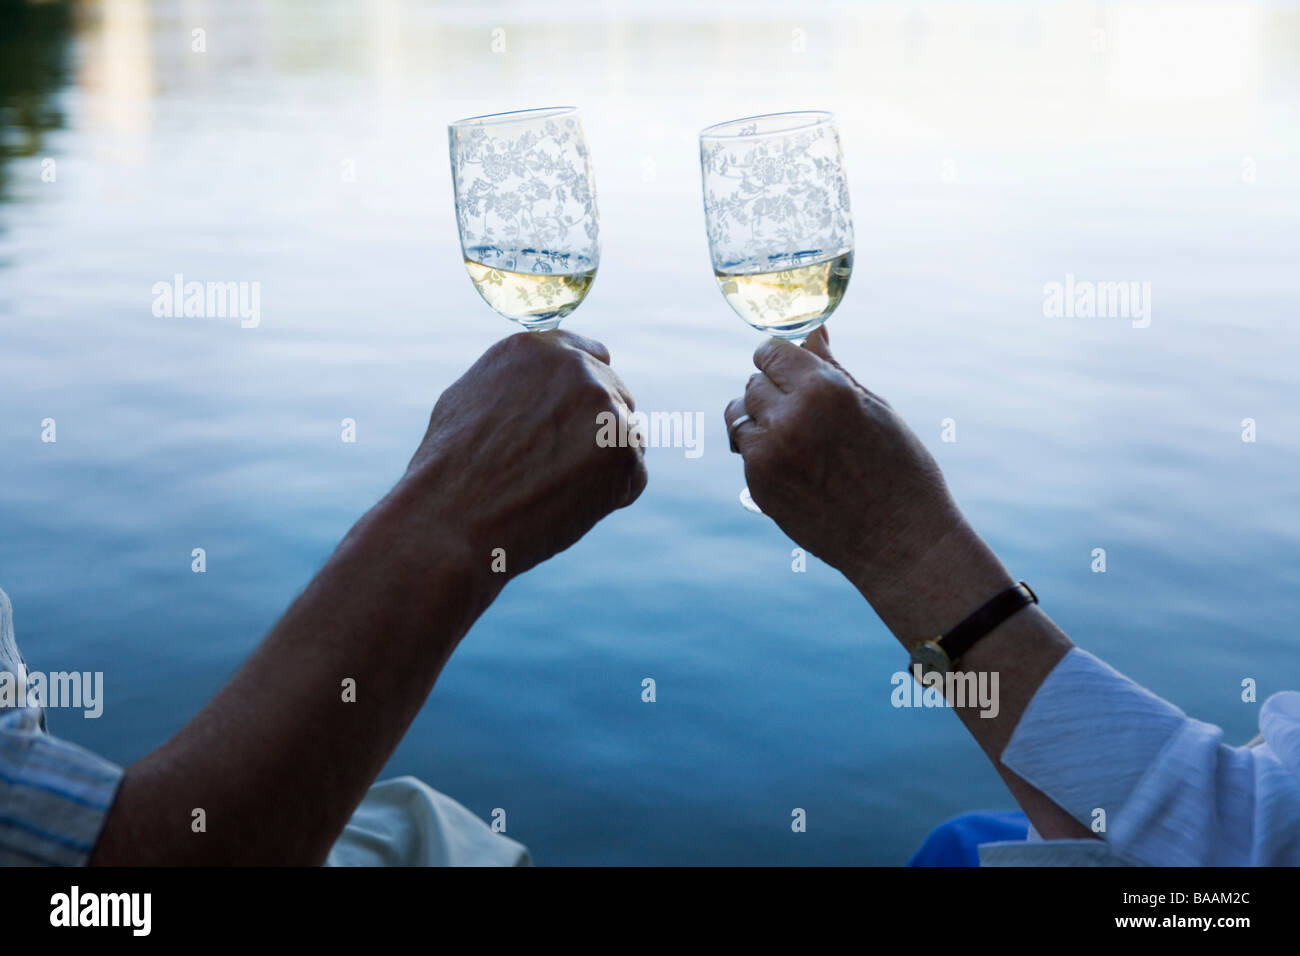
[
  {"x": 513, "y": 116},
  {"x": 809, "y": 119}
]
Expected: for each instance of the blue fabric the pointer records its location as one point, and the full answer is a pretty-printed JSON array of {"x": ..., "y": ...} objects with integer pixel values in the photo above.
[{"x": 956, "y": 842}]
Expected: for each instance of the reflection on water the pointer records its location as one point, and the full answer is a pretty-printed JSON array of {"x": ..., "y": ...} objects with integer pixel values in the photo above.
[
  {"x": 991, "y": 150},
  {"x": 33, "y": 67}
]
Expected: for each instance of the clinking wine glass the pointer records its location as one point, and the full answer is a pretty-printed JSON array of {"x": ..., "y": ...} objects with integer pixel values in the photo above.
[
  {"x": 526, "y": 210},
  {"x": 776, "y": 207}
]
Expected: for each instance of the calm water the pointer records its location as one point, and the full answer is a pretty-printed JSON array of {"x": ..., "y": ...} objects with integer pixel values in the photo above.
[{"x": 990, "y": 151}]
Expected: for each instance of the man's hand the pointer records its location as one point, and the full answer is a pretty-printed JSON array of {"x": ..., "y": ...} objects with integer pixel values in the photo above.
[
  {"x": 836, "y": 468},
  {"x": 280, "y": 757},
  {"x": 510, "y": 457}
]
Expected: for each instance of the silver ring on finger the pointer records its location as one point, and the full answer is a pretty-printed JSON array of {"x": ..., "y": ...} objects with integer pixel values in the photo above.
[{"x": 733, "y": 428}]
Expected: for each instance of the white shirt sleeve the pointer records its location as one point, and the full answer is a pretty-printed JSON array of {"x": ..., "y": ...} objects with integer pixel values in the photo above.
[
  {"x": 405, "y": 822},
  {"x": 1173, "y": 793}
]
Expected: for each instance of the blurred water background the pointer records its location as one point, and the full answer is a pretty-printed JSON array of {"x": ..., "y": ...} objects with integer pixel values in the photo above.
[{"x": 991, "y": 148}]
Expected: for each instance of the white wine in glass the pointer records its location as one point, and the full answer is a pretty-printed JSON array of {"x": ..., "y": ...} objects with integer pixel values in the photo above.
[
  {"x": 788, "y": 297},
  {"x": 522, "y": 287},
  {"x": 526, "y": 211},
  {"x": 776, "y": 207}
]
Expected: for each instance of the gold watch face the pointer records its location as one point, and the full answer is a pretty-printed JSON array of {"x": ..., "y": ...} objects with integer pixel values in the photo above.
[{"x": 931, "y": 657}]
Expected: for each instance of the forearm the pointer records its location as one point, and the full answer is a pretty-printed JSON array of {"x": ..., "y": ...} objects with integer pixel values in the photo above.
[
  {"x": 947, "y": 582},
  {"x": 281, "y": 756}
]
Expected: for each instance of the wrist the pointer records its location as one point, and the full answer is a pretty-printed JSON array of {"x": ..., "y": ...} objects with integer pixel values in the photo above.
[
  {"x": 436, "y": 540},
  {"x": 937, "y": 589}
]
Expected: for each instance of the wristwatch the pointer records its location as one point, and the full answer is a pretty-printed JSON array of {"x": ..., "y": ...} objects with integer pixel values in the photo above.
[{"x": 944, "y": 652}]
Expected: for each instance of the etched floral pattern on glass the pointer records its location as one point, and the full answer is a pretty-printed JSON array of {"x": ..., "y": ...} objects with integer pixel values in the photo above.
[
  {"x": 769, "y": 195},
  {"x": 776, "y": 207},
  {"x": 526, "y": 211}
]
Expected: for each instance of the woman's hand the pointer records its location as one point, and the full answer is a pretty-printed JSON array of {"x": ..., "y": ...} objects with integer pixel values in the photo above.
[{"x": 836, "y": 468}]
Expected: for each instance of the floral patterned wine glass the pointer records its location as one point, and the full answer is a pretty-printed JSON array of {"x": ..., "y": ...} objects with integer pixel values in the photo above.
[
  {"x": 526, "y": 208},
  {"x": 776, "y": 206}
]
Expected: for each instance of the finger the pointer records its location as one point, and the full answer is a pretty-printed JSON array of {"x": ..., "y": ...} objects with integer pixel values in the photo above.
[
  {"x": 761, "y": 397},
  {"x": 635, "y": 474},
  {"x": 613, "y": 384},
  {"x": 735, "y": 408},
  {"x": 593, "y": 348},
  {"x": 636, "y": 436},
  {"x": 636, "y": 481},
  {"x": 819, "y": 343},
  {"x": 784, "y": 363},
  {"x": 739, "y": 435},
  {"x": 628, "y": 479}
]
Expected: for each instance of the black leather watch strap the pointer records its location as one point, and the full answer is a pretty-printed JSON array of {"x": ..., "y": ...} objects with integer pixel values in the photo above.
[{"x": 962, "y": 637}]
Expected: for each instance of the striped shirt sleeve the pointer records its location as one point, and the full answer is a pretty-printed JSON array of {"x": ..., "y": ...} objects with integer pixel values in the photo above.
[{"x": 54, "y": 795}]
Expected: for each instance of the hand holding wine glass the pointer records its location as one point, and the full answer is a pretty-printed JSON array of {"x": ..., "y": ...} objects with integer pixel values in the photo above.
[
  {"x": 836, "y": 468},
  {"x": 776, "y": 206},
  {"x": 511, "y": 449}
]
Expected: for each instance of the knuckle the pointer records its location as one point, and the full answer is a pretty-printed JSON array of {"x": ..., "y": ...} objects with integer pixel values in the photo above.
[
  {"x": 823, "y": 381},
  {"x": 587, "y": 364},
  {"x": 518, "y": 344},
  {"x": 787, "y": 436},
  {"x": 782, "y": 432},
  {"x": 591, "y": 394},
  {"x": 831, "y": 388}
]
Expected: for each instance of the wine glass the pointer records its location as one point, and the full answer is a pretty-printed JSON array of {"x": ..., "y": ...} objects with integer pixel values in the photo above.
[
  {"x": 526, "y": 210},
  {"x": 776, "y": 207}
]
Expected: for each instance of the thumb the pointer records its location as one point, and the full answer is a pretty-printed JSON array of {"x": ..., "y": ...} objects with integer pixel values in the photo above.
[{"x": 819, "y": 343}]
